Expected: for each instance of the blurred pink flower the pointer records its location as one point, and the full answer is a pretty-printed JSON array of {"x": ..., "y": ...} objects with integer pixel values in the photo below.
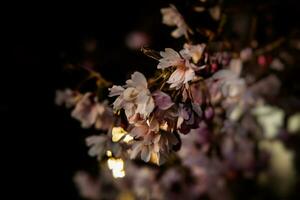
[
  {"x": 88, "y": 187},
  {"x": 137, "y": 39},
  {"x": 97, "y": 145},
  {"x": 90, "y": 112},
  {"x": 67, "y": 97},
  {"x": 246, "y": 54},
  {"x": 172, "y": 17},
  {"x": 194, "y": 51},
  {"x": 229, "y": 81}
]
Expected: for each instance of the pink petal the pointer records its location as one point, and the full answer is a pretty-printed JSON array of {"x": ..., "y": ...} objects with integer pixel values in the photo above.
[{"x": 162, "y": 100}]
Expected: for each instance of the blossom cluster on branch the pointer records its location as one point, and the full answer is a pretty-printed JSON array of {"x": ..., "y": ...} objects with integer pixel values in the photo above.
[{"x": 201, "y": 122}]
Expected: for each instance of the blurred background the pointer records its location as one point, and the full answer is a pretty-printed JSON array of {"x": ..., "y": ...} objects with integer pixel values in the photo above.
[{"x": 46, "y": 146}]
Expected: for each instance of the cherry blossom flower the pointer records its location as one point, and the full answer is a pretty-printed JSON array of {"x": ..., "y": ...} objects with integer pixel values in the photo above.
[
  {"x": 89, "y": 187},
  {"x": 151, "y": 144},
  {"x": 162, "y": 100},
  {"x": 171, "y": 17},
  {"x": 276, "y": 64},
  {"x": 67, "y": 97},
  {"x": 207, "y": 172},
  {"x": 90, "y": 112},
  {"x": 105, "y": 116},
  {"x": 238, "y": 152},
  {"x": 246, "y": 54},
  {"x": 194, "y": 51},
  {"x": 229, "y": 81},
  {"x": 143, "y": 180},
  {"x": 184, "y": 72},
  {"x": 135, "y": 98},
  {"x": 97, "y": 144}
]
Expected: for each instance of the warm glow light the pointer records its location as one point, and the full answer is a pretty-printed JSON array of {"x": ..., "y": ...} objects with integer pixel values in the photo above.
[
  {"x": 118, "y": 133},
  {"x": 127, "y": 138},
  {"x": 108, "y": 153},
  {"x": 116, "y": 165},
  {"x": 164, "y": 127}
]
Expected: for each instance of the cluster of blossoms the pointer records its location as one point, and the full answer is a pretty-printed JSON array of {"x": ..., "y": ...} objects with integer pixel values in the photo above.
[
  {"x": 87, "y": 109},
  {"x": 203, "y": 115}
]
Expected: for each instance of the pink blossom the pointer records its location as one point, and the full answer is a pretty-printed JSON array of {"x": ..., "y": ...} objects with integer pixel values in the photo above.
[
  {"x": 229, "y": 81},
  {"x": 90, "y": 112},
  {"x": 150, "y": 143},
  {"x": 162, "y": 100},
  {"x": 246, "y": 54},
  {"x": 88, "y": 187},
  {"x": 172, "y": 17},
  {"x": 97, "y": 145},
  {"x": 67, "y": 97},
  {"x": 135, "y": 97},
  {"x": 184, "y": 72},
  {"x": 194, "y": 51}
]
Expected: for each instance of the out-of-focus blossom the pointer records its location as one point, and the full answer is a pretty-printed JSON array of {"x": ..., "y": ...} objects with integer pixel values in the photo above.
[
  {"x": 276, "y": 64},
  {"x": 194, "y": 51},
  {"x": 266, "y": 87},
  {"x": 184, "y": 72},
  {"x": 143, "y": 180},
  {"x": 294, "y": 123},
  {"x": 246, "y": 54},
  {"x": 172, "y": 17},
  {"x": 235, "y": 112},
  {"x": 170, "y": 181},
  {"x": 270, "y": 118},
  {"x": 97, "y": 145},
  {"x": 215, "y": 12},
  {"x": 135, "y": 98},
  {"x": 282, "y": 171},
  {"x": 238, "y": 152},
  {"x": 90, "y": 112},
  {"x": 105, "y": 116},
  {"x": 262, "y": 60},
  {"x": 137, "y": 39},
  {"x": 229, "y": 82},
  {"x": 67, "y": 97},
  {"x": 88, "y": 187},
  {"x": 86, "y": 111},
  {"x": 207, "y": 173}
]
